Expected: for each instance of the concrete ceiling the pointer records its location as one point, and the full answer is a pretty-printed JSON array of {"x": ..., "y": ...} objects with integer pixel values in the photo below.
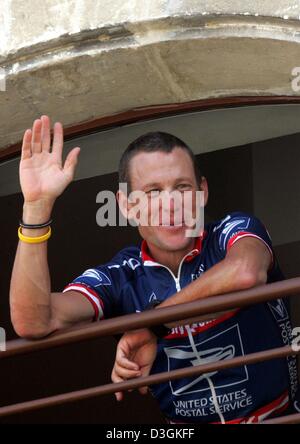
[{"x": 81, "y": 60}]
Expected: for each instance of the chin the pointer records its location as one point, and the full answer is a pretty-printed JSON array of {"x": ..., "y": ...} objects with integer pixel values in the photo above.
[{"x": 173, "y": 239}]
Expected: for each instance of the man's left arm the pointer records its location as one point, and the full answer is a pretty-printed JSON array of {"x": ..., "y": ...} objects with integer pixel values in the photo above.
[{"x": 245, "y": 265}]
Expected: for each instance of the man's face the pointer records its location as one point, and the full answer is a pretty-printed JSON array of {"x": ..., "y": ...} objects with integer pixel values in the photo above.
[{"x": 172, "y": 173}]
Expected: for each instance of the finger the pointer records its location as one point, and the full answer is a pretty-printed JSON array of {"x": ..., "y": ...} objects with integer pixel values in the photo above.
[
  {"x": 71, "y": 162},
  {"x": 123, "y": 351},
  {"x": 58, "y": 140},
  {"x": 45, "y": 137},
  {"x": 125, "y": 373},
  {"x": 143, "y": 390},
  {"x": 26, "y": 145},
  {"x": 36, "y": 146},
  {"x": 145, "y": 372},
  {"x": 126, "y": 363},
  {"x": 119, "y": 395}
]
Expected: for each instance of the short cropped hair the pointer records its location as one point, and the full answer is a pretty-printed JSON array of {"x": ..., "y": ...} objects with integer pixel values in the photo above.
[{"x": 149, "y": 143}]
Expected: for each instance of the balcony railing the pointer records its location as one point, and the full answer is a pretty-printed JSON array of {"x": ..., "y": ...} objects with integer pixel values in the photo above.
[{"x": 200, "y": 310}]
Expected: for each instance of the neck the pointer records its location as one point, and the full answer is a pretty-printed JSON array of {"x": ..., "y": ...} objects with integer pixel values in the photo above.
[{"x": 170, "y": 259}]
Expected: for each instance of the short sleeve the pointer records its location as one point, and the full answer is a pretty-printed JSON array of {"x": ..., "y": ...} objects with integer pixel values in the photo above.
[
  {"x": 238, "y": 225},
  {"x": 100, "y": 286}
]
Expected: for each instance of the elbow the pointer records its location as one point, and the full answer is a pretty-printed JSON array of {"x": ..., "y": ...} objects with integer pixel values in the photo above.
[
  {"x": 26, "y": 326},
  {"x": 249, "y": 279},
  {"x": 31, "y": 334},
  {"x": 29, "y": 331}
]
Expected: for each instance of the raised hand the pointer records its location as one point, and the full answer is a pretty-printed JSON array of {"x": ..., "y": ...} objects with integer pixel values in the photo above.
[{"x": 43, "y": 177}]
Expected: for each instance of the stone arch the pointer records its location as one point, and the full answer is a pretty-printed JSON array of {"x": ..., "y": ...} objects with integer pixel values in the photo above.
[{"x": 77, "y": 62}]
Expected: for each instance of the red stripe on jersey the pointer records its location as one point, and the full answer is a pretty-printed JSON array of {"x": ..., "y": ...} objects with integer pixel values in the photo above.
[
  {"x": 86, "y": 287},
  {"x": 182, "y": 332}
]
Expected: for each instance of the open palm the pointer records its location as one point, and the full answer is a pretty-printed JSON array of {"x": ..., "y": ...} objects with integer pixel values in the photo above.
[{"x": 42, "y": 175}]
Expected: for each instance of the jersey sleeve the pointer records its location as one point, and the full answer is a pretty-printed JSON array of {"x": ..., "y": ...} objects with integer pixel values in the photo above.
[
  {"x": 101, "y": 287},
  {"x": 238, "y": 225}
]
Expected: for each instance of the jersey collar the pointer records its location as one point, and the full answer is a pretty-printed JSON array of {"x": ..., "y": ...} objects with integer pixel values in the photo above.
[{"x": 148, "y": 260}]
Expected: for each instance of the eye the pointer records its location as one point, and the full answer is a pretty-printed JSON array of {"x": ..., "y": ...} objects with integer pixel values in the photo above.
[
  {"x": 184, "y": 186},
  {"x": 153, "y": 190}
]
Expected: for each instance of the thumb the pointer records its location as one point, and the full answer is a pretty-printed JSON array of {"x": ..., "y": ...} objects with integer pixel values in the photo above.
[{"x": 71, "y": 162}]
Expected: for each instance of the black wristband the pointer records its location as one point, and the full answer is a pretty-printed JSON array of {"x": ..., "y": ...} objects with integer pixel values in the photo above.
[
  {"x": 160, "y": 331},
  {"x": 35, "y": 226}
]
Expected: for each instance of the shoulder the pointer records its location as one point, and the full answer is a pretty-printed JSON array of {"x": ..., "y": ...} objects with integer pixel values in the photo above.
[
  {"x": 114, "y": 273},
  {"x": 232, "y": 220},
  {"x": 229, "y": 218},
  {"x": 126, "y": 259},
  {"x": 235, "y": 225}
]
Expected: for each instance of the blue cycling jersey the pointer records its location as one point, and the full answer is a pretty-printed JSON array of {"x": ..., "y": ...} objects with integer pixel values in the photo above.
[{"x": 247, "y": 393}]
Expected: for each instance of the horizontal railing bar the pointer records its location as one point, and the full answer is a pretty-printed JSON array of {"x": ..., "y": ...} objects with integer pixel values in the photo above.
[
  {"x": 146, "y": 381},
  {"x": 177, "y": 312},
  {"x": 289, "y": 419}
]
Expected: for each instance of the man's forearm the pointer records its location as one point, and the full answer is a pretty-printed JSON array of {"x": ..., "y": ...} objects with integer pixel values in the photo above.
[
  {"x": 30, "y": 283},
  {"x": 224, "y": 277}
]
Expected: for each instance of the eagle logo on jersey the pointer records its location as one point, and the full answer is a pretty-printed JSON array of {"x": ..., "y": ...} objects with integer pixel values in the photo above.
[{"x": 97, "y": 277}]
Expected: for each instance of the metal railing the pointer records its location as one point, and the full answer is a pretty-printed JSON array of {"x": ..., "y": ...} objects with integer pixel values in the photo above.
[{"x": 200, "y": 310}]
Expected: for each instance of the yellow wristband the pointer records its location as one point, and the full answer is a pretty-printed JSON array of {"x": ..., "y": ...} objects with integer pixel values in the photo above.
[{"x": 34, "y": 240}]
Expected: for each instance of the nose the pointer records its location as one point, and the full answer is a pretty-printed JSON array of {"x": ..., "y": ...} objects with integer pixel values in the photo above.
[{"x": 171, "y": 206}]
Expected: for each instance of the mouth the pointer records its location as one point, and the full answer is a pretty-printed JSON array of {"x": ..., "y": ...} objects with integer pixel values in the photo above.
[
  {"x": 181, "y": 224},
  {"x": 171, "y": 227},
  {"x": 171, "y": 222}
]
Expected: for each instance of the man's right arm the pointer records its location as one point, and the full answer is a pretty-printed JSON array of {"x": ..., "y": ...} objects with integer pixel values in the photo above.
[{"x": 35, "y": 311}]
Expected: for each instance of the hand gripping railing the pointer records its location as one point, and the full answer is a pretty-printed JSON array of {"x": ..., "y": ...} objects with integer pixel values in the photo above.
[{"x": 182, "y": 314}]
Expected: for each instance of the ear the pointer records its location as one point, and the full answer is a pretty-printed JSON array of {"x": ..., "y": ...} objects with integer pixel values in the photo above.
[{"x": 204, "y": 187}]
